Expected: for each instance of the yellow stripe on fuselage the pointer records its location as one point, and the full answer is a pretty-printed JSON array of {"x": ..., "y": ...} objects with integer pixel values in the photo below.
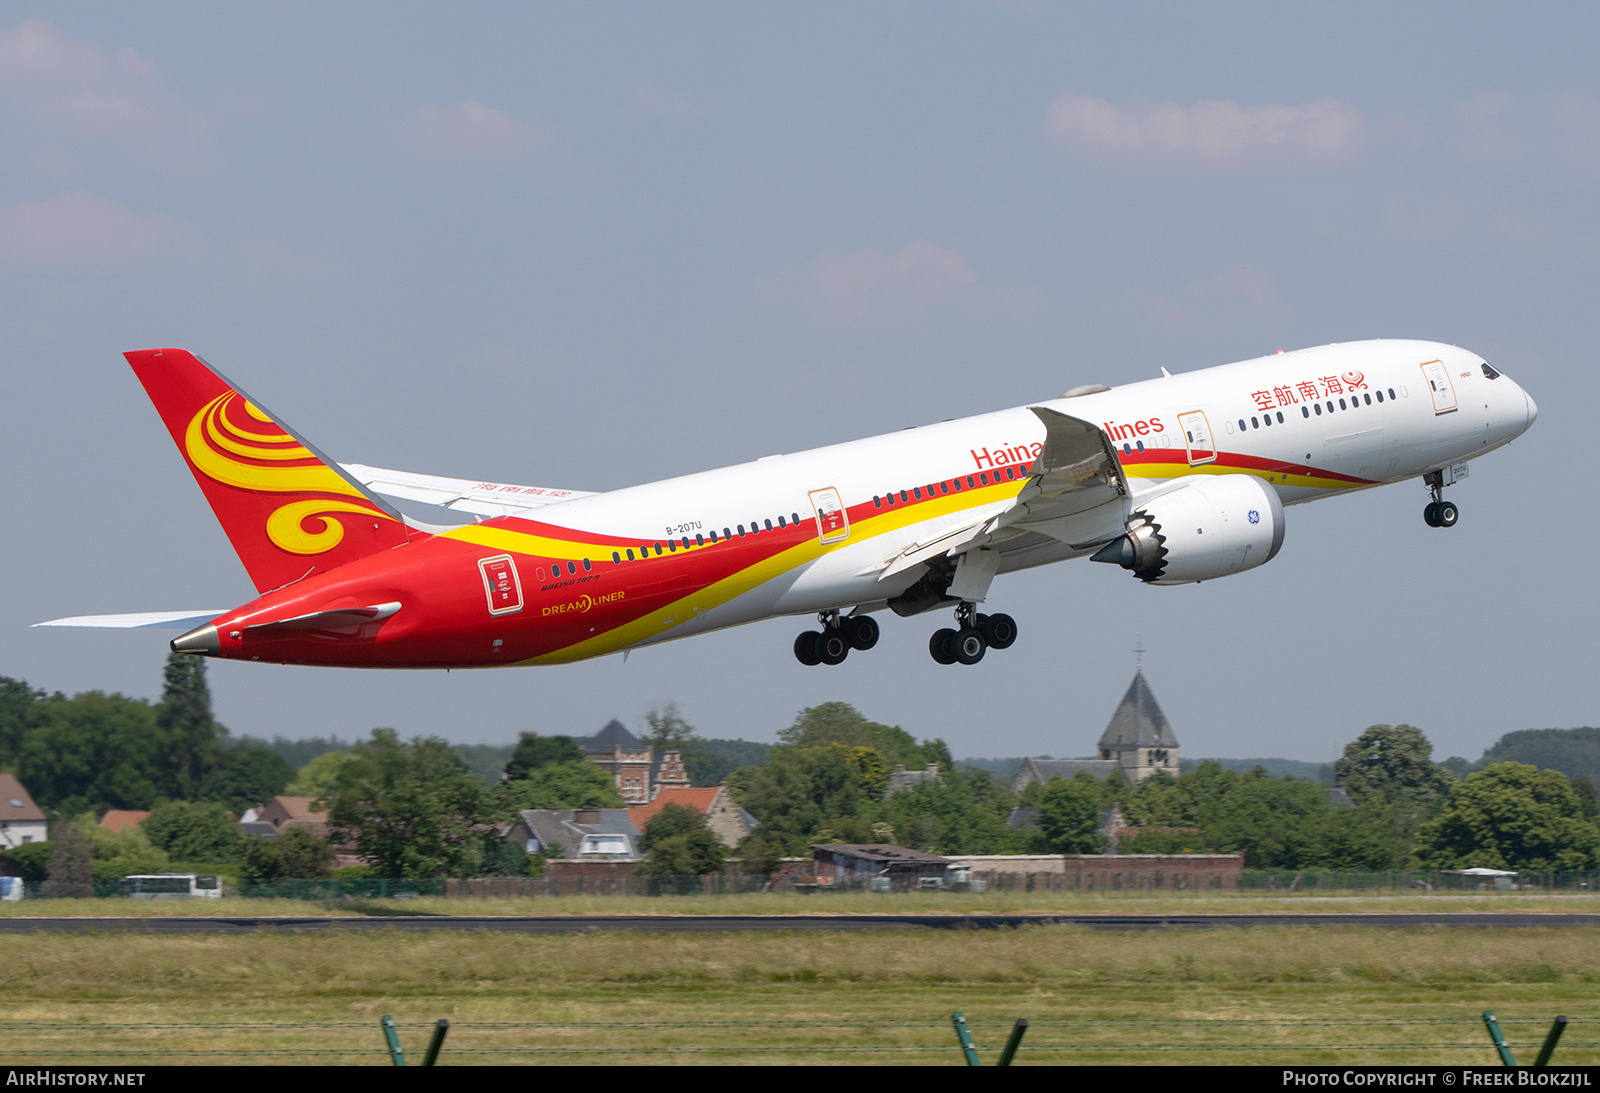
[{"x": 752, "y": 576}]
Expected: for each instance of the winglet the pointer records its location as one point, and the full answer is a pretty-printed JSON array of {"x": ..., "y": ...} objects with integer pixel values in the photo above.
[{"x": 288, "y": 510}]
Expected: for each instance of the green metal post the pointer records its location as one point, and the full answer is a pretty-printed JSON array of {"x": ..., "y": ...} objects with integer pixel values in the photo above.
[
  {"x": 964, "y": 1037},
  {"x": 436, "y": 1043},
  {"x": 1498, "y": 1038},
  {"x": 393, "y": 1037},
  {"x": 1015, "y": 1042},
  {"x": 1549, "y": 1048}
]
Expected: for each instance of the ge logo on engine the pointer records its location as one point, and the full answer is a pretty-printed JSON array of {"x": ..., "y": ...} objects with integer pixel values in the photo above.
[{"x": 1255, "y": 517}]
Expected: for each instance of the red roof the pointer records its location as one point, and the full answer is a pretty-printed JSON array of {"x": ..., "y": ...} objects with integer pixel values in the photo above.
[
  {"x": 120, "y": 819},
  {"x": 697, "y": 799}
]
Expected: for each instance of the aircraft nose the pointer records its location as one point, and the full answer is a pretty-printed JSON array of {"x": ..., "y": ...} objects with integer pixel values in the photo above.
[{"x": 1533, "y": 409}]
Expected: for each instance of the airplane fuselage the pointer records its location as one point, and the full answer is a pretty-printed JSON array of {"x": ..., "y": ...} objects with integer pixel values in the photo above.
[{"x": 852, "y": 528}]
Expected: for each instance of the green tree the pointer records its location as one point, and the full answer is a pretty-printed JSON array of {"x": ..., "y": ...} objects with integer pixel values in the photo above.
[
  {"x": 534, "y": 752},
  {"x": 319, "y": 778},
  {"x": 30, "y": 861},
  {"x": 93, "y": 751},
  {"x": 71, "y": 862},
  {"x": 1511, "y": 816},
  {"x": 247, "y": 775},
  {"x": 841, "y": 723},
  {"x": 966, "y": 813},
  {"x": 194, "y": 831},
  {"x": 1392, "y": 766},
  {"x": 669, "y": 731},
  {"x": 579, "y": 784},
  {"x": 1571, "y": 751},
  {"x": 189, "y": 736},
  {"x": 1069, "y": 815},
  {"x": 411, "y": 808},
  {"x": 802, "y": 791},
  {"x": 294, "y": 854},
  {"x": 19, "y": 712},
  {"x": 677, "y": 843}
]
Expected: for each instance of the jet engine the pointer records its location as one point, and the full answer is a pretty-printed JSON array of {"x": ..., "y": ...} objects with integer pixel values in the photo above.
[{"x": 1211, "y": 526}]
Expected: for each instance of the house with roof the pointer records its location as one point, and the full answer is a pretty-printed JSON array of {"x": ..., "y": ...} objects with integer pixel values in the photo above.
[
  {"x": 576, "y": 832},
  {"x": 21, "y": 821},
  {"x": 727, "y": 821},
  {"x": 639, "y": 773},
  {"x": 853, "y": 863},
  {"x": 1138, "y": 741},
  {"x": 123, "y": 819}
]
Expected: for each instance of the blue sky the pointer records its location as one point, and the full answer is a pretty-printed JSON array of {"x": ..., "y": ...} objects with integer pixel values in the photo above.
[{"x": 592, "y": 245}]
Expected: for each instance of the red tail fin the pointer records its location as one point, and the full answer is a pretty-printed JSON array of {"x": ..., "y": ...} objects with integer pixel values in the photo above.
[{"x": 288, "y": 510}]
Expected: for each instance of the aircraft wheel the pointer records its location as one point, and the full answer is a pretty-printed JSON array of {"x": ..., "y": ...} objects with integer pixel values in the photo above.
[
  {"x": 832, "y": 646},
  {"x": 942, "y": 646},
  {"x": 805, "y": 648},
  {"x": 861, "y": 630},
  {"x": 1430, "y": 515},
  {"x": 1446, "y": 514},
  {"x": 1000, "y": 631},
  {"x": 970, "y": 645}
]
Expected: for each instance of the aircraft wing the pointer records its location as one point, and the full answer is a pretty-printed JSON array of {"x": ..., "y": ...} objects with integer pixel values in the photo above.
[{"x": 459, "y": 495}]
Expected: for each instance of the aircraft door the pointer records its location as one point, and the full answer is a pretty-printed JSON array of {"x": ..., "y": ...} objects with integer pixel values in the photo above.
[
  {"x": 1197, "y": 434},
  {"x": 501, "y": 583},
  {"x": 1439, "y": 385},
  {"x": 833, "y": 523}
]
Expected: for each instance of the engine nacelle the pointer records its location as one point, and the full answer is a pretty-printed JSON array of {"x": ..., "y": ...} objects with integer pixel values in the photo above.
[{"x": 1211, "y": 526}]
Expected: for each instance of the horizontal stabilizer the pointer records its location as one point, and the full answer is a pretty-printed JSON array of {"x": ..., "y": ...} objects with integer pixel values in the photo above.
[
  {"x": 336, "y": 619},
  {"x": 173, "y": 620}
]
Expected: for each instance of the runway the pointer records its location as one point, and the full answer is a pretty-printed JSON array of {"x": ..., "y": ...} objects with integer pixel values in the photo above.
[{"x": 564, "y": 924}]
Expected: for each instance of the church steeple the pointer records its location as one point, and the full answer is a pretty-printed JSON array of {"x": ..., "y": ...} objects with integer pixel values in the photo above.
[{"x": 1139, "y": 736}]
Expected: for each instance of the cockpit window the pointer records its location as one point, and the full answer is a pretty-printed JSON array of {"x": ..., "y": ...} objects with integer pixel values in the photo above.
[{"x": 1488, "y": 370}]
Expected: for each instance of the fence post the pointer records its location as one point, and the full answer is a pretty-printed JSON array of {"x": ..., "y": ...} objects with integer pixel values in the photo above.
[
  {"x": 1498, "y": 1038},
  {"x": 436, "y": 1043},
  {"x": 1549, "y": 1048},
  {"x": 1015, "y": 1042},
  {"x": 392, "y": 1036},
  {"x": 964, "y": 1038}
]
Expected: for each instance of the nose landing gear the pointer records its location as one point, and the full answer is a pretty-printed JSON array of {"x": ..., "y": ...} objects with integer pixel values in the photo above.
[
  {"x": 1439, "y": 513},
  {"x": 837, "y": 637},
  {"x": 975, "y": 635}
]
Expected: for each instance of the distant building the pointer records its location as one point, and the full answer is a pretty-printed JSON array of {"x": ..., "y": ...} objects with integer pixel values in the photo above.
[
  {"x": 901, "y": 778},
  {"x": 123, "y": 819},
  {"x": 851, "y": 863},
  {"x": 1138, "y": 741},
  {"x": 576, "y": 832},
  {"x": 21, "y": 821},
  {"x": 633, "y": 765},
  {"x": 727, "y": 821}
]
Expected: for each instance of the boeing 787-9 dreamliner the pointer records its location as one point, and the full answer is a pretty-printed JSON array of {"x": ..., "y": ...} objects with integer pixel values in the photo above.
[{"x": 1179, "y": 479}]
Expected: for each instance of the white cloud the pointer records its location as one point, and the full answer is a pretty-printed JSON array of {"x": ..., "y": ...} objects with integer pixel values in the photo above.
[
  {"x": 74, "y": 96},
  {"x": 471, "y": 131},
  {"x": 918, "y": 282},
  {"x": 1212, "y": 134},
  {"x": 655, "y": 101},
  {"x": 75, "y": 228},
  {"x": 1562, "y": 129}
]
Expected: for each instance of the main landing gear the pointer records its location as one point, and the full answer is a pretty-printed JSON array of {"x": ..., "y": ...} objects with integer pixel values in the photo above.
[
  {"x": 837, "y": 638},
  {"x": 975, "y": 635},
  {"x": 1439, "y": 513}
]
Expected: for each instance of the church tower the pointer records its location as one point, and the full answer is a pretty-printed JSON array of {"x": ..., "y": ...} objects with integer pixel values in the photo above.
[{"x": 1139, "y": 739}]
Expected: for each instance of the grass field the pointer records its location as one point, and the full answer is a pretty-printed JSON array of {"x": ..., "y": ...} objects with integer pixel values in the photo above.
[
  {"x": 1309, "y": 995},
  {"x": 782, "y": 903}
]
